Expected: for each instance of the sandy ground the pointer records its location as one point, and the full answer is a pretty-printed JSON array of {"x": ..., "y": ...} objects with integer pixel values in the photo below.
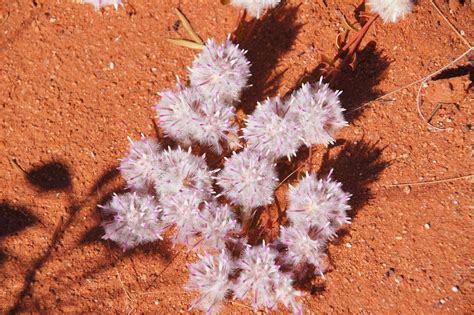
[{"x": 74, "y": 83}]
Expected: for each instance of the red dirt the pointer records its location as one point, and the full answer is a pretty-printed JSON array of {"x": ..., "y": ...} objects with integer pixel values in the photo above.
[{"x": 75, "y": 83}]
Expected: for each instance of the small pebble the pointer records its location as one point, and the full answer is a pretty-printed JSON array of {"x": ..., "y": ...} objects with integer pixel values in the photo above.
[
  {"x": 442, "y": 301},
  {"x": 427, "y": 226},
  {"x": 111, "y": 66},
  {"x": 390, "y": 272},
  {"x": 455, "y": 289},
  {"x": 348, "y": 245}
]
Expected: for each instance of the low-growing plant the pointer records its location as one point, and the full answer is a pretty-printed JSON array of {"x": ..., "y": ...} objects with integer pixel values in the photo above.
[{"x": 212, "y": 210}]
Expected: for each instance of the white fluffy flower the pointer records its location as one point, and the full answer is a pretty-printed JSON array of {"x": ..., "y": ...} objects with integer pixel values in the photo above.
[
  {"x": 319, "y": 203},
  {"x": 182, "y": 211},
  {"x": 220, "y": 71},
  {"x": 261, "y": 280},
  {"x": 286, "y": 294},
  {"x": 177, "y": 113},
  {"x": 138, "y": 167},
  {"x": 181, "y": 172},
  {"x": 103, "y": 3},
  {"x": 215, "y": 122},
  {"x": 255, "y": 7},
  {"x": 273, "y": 130},
  {"x": 135, "y": 220},
  {"x": 248, "y": 179},
  {"x": 217, "y": 224},
  {"x": 391, "y": 10},
  {"x": 210, "y": 276},
  {"x": 258, "y": 275},
  {"x": 319, "y": 112},
  {"x": 301, "y": 247}
]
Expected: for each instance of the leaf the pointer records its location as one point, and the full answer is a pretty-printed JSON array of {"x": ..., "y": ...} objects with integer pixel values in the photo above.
[
  {"x": 186, "y": 43},
  {"x": 187, "y": 26},
  {"x": 14, "y": 218}
]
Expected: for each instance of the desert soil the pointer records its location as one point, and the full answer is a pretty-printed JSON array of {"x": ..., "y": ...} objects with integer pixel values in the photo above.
[{"x": 74, "y": 83}]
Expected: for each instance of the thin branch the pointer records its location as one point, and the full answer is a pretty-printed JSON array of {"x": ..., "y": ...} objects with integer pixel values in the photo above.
[
  {"x": 419, "y": 101},
  {"x": 451, "y": 24},
  {"x": 429, "y": 76},
  {"x": 432, "y": 182},
  {"x": 291, "y": 174}
]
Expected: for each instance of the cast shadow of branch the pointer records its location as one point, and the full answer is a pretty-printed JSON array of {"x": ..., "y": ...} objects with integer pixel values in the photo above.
[
  {"x": 13, "y": 219},
  {"x": 55, "y": 176}
]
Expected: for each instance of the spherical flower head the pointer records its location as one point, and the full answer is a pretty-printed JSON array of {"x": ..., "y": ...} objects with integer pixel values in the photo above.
[
  {"x": 181, "y": 172},
  {"x": 210, "y": 276},
  {"x": 255, "y": 7},
  {"x": 177, "y": 113},
  {"x": 218, "y": 223},
  {"x": 286, "y": 294},
  {"x": 301, "y": 247},
  {"x": 248, "y": 179},
  {"x": 258, "y": 275},
  {"x": 135, "y": 220},
  {"x": 318, "y": 203},
  {"x": 319, "y": 113},
  {"x": 182, "y": 211},
  {"x": 220, "y": 70},
  {"x": 391, "y": 10},
  {"x": 273, "y": 129},
  {"x": 138, "y": 167},
  {"x": 103, "y": 3},
  {"x": 216, "y": 122}
]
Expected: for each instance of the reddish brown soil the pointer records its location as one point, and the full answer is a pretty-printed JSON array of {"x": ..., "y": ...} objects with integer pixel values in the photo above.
[{"x": 75, "y": 83}]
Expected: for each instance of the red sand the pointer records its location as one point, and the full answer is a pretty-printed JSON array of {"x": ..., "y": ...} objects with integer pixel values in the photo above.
[{"x": 75, "y": 83}]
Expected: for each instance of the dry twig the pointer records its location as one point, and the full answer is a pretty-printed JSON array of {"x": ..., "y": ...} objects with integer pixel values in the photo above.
[
  {"x": 451, "y": 24},
  {"x": 426, "y": 78},
  {"x": 432, "y": 182}
]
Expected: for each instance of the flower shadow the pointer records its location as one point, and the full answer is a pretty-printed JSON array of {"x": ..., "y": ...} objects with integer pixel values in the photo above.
[
  {"x": 265, "y": 48},
  {"x": 357, "y": 165}
]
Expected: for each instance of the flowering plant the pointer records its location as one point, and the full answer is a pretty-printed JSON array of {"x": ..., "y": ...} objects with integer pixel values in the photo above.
[{"x": 211, "y": 210}]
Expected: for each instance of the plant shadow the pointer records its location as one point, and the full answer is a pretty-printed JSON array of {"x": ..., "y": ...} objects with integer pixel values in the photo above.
[
  {"x": 357, "y": 165},
  {"x": 265, "y": 48},
  {"x": 51, "y": 176},
  {"x": 55, "y": 176},
  {"x": 14, "y": 219}
]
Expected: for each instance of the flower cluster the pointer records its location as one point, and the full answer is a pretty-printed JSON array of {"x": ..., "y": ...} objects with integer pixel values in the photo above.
[
  {"x": 204, "y": 111},
  {"x": 255, "y": 7},
  {"x": 310, "y": 116},
  {"x": 391, "y": 10},
  {"x": 248, "y": 179},
  {"x": 211, "y": 276},
  {"x": 103, "y": 3},
  {"x": 220, "y": 70},
  {"x": 261, "y": 280},
  {"x": 135, "y": 220},
  {"x": 319, "y": 203},
  {"x": 174, "y": 189}
]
